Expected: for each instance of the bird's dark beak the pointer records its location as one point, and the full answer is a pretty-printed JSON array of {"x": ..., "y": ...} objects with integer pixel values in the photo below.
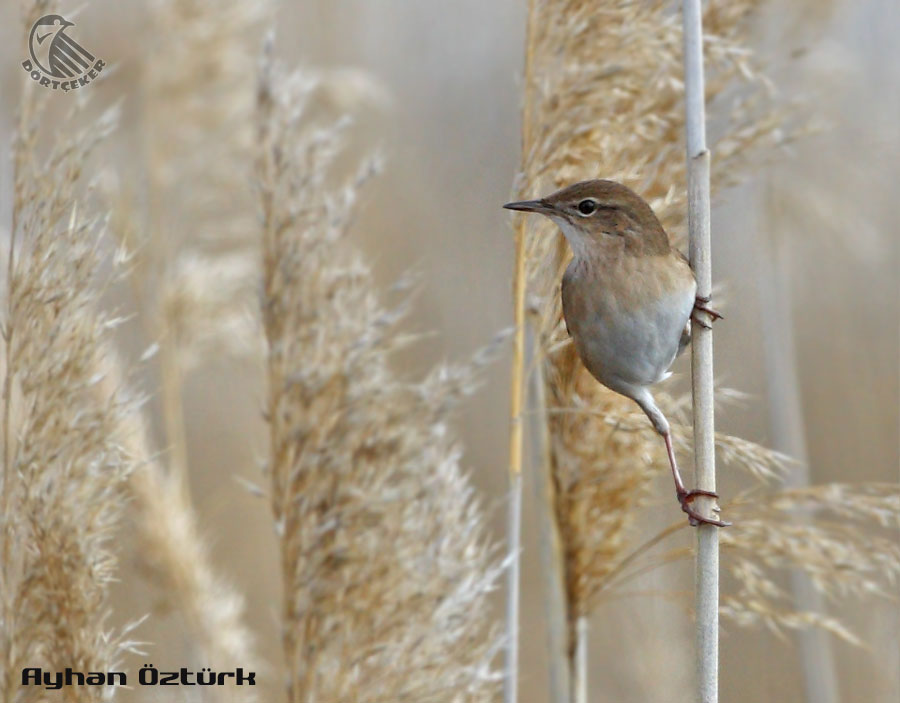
[{"x": 540, "y": 206}]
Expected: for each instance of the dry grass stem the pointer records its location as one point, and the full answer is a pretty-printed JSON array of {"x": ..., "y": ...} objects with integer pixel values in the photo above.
[
  {"x": 192, "y": 255},
  {"x": 191, "y": 273},
  {"x": 174, "y": 557},
  {"x": 517, "y": 420}
]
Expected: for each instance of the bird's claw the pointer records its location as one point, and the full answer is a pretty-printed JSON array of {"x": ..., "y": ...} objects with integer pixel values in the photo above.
[
  {"x": 701, "y": 303},
  {"x": 703, "y": 323},
  {"x": 685, "y": 498}
]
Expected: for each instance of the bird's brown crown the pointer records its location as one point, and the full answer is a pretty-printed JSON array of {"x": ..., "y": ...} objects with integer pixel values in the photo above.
[{"x": 610, "y": 206}]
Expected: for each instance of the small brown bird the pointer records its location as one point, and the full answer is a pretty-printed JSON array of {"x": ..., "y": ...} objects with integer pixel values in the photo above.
[{"x": 628, "y": 297}]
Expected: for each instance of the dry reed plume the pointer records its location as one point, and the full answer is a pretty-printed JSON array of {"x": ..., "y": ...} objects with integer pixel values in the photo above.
[
  {"x": 845, "y": 539},
  {"x": 385, "y": 566},
  {"x": 64, "y": 474},
  {"x": 174, "y": 556},
  {"x": 848, "y": 549},
  {"x": 169, "y": 544},
  {"x": 194, "y": 271},
  {"x": 191, "y": 275}
]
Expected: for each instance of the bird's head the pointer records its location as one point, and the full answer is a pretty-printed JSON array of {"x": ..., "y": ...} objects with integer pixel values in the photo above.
[
  {"x": 54, "y": 22},
  {"x": 598, "y": 214}
]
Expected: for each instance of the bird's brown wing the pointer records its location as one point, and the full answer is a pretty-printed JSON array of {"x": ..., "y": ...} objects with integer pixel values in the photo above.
[
  {"x": 566, "y": 294},
  {"x": 683, "y": 258}
]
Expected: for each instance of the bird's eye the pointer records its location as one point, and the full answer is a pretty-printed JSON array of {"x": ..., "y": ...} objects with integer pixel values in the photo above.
[{"x": 587, "y": 207}]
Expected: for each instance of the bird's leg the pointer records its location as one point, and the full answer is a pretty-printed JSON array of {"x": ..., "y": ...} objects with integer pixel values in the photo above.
[
  {"x": 686, "y": 497},
  {"x": 701, "y": 304}
]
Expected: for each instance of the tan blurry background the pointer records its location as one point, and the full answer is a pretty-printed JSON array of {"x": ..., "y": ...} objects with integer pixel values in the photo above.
[{"x": 444, "y": 110}]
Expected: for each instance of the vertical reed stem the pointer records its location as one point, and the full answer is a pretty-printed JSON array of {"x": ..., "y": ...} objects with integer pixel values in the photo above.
[
  {"x": 580, "y": 661},
  {"x": 514, "y": 539},
  {"x": 788, "y": 436},
  {"x": 552, "y": 557},
  {"x": 511, "y": 664},
  {"x": 707, "y": 561}
]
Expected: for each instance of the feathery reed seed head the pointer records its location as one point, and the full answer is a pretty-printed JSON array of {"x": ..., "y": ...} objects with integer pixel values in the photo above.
[
  {"x": 385, "y": 565},
  {"x": 64, "y": 472}
]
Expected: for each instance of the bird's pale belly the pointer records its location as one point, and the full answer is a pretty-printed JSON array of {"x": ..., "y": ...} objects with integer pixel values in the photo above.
[{"x": 636, "y": 347}]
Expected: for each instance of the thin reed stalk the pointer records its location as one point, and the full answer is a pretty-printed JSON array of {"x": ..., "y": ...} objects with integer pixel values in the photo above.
[
  {"x": 580, "y": 661},
  {"x": 516, "y": 403},
  {"x": 788, "y": 436},
  {"x": 513, "y": 575},
  {"x": 552, "y": 551},
  {"x": 698, "y": 170}
]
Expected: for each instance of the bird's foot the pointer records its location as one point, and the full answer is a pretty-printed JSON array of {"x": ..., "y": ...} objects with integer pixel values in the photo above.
[
  {"x": 695, "y": 518},
  {"x": 701, "y": 304}
]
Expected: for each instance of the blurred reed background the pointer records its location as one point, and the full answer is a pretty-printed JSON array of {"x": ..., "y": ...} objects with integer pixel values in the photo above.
[{"x": 436, "y": 90}]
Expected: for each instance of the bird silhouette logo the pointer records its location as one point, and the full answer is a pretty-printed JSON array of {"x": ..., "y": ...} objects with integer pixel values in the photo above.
[{"x": 57, "y": 60}]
